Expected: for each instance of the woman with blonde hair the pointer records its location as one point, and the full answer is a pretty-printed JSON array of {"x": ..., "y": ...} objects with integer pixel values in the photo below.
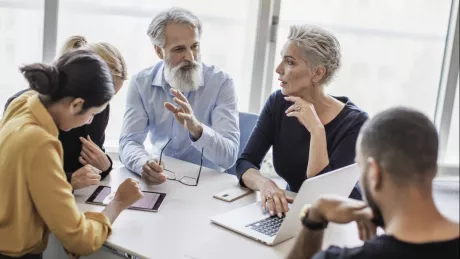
[{"x": 85, "y": 161}]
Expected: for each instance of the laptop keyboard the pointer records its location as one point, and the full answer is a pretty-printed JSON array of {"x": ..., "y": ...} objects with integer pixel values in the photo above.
[{"x": 268, "y": 226}]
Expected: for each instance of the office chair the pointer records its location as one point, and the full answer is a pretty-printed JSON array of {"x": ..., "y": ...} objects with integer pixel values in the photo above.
[{"x": 247, "y": 123}]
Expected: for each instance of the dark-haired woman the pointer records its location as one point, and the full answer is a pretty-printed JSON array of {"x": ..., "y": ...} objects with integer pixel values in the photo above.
[
  {"x": 35, "y": 197},
  {"x": 85, "y": 145}
]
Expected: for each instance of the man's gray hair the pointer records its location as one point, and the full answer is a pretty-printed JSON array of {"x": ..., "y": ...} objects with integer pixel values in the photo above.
[
  {"x": 156, "y": 30},
  {"x": 318, "y": 47}
]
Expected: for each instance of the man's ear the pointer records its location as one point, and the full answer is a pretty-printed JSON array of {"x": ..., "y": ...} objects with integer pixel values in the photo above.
[
  {"x": 159, "y": 52},
  {"x": 374, "y": 174},
  {"x": 76, "y": 106}
]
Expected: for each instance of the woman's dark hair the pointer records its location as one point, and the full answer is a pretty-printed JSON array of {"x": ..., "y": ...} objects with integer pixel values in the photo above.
[{"x": 78, "y": 74}]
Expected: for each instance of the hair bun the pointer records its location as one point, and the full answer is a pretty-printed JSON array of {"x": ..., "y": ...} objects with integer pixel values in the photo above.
[{"x": 42, "y": 78}]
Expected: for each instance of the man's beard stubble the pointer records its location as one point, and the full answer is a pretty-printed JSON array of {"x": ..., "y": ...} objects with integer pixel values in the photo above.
[{"x": 378, "y": 217}]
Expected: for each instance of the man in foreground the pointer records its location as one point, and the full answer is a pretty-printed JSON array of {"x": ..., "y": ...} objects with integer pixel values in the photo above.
[{"x": 397, "y": 152}]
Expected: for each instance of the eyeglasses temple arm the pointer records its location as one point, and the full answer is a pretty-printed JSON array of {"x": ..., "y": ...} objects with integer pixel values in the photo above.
[
  {"x": 161, "y": 153},
  {"x": 201, "y": 166}
]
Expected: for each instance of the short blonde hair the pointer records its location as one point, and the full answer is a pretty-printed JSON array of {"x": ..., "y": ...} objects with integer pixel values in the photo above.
[{"x": 106, "y": 51}]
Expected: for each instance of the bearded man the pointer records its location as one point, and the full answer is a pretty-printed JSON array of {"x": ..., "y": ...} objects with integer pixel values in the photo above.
[
  {"x": 188, "y": 107},
  {"x": 397, "y": 153}
]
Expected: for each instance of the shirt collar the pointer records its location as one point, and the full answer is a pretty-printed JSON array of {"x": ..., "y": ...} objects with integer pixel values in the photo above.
[
  {"x": 160, "y": 81},
  {"x": 43, "y": 117}
]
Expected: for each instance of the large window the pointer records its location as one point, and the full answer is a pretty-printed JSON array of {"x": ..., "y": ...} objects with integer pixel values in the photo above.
[
  {"x": 227, "y": 40},
  {"x": 392, "y": 50},
  {"x": 21, "y": 30},
  {"x": 452, "y": 153}
]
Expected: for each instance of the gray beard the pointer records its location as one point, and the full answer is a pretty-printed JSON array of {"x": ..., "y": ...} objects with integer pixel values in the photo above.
[{"x": 184, "y": 79}]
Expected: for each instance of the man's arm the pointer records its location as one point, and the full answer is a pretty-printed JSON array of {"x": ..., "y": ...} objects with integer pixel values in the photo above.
[
  {"x": 309, "y": 242},
  {"x": 221, "y": 140},
  {"x": 336, "y": 209},
  {"x": 135, "y": 128}
]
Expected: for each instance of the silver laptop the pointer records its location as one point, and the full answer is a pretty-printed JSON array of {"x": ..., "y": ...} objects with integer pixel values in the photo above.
[{"x": 252, "y": 222}]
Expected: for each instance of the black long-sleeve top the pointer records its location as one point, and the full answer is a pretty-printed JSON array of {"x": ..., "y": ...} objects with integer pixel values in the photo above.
[{"x": 291, "y": 141}]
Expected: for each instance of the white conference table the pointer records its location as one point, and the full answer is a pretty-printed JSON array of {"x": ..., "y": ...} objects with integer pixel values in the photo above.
[{"x": 182, "y": 227}]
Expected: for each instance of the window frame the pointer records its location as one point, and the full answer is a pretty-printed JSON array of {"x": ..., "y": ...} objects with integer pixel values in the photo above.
[
  {"x": 448, "y": 82},
  {"x": 263, "y": 66}
]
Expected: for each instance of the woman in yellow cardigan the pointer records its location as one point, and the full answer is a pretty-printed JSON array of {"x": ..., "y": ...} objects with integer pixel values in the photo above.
[{"x": 35, "y": 197}]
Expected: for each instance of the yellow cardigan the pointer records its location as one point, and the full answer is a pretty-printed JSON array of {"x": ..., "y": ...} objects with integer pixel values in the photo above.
[{"x": 35, "y": 197}]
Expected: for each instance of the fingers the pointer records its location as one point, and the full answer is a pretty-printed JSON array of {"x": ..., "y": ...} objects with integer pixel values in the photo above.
[
  {"x": 274, "y": 199},
  {"x": 185, "y": 116},
  {"x": 85, "y": 177},
  {"x": 284, "y": 203},
  {"x": 278, "y": 205},
  {"x": 92, "y": 169},
  {"x": 293, "y": 114},
  {"x": 92, "y": 181},
  {"x": 289, "y": 199},
  {"x": 148, "y": 179},
  {"x": 88, "y": 145},
  {"x": 179, "y": 95},
  {"x": 184, "y": 105},
  {"x": 85, "y": 156},
  {"x": 371, "y": 229},
  {"x": 152, "y": 168},
  {"x": 292, "y": 108},
  {"x": 170, "y": 107},
  {"x": 153, "y": 179},
  {"x": 129, "y": 182},
  {"x": 151, "y": 175},
  {"x": 86, "y": 149},
  {"x": 94, "y": 176},
  {"x": 360, "y": 230},
  {"x": 132, "y": 180},
  {"x": 175, "y": 110},
  {"x": 263, "y": 201},
  {"x": 364, "y": 213},
  {"x": 271, "y": 206},
  {"x": 366, "y": 229},
  {"x": 183, "y": 112},
  {"x": 155, "y": 166},
  {"x": 128, "y": 192},
  {"x": 82, "y": 161}
]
